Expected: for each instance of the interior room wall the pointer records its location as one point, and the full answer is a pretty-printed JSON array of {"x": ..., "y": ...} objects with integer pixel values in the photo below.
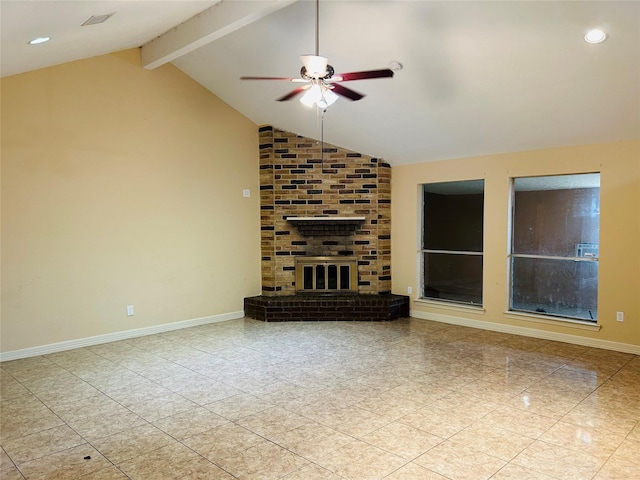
[
  {"x": 122, "y": 186},
  {"x": 619, "y": 265}
]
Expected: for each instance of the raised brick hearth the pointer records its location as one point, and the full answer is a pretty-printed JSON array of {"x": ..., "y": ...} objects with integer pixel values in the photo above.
[{"x": 327, "y": 308}]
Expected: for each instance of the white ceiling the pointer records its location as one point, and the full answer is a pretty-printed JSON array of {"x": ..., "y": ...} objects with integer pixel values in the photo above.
[
  {"x": 479, "y": 77},
  {"x": 134, "y": 23}
]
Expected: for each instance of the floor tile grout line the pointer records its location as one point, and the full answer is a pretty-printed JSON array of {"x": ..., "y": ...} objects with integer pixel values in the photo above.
[{"x": 458, "y": 388}]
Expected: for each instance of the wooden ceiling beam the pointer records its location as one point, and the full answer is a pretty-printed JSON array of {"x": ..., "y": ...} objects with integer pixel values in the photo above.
[{"x": 209, "y": 25}]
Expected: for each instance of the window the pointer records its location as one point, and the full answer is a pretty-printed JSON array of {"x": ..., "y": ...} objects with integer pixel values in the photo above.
[
  {"x": 554, "y": 246},
  {"x": 452, "y": 237}
]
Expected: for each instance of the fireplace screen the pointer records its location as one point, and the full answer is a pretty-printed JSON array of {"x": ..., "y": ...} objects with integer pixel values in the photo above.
[{"x": 326, "y": 274}]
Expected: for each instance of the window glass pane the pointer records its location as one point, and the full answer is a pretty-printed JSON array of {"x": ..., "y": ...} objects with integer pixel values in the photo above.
[
  {"x": 453, "y": 277},
  {"x": 557, "y": 216},
  {"x": 453, "y": 216},
  {"x": 566, "y": 288}
]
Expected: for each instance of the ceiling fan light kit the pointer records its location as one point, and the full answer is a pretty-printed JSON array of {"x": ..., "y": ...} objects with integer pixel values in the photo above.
[{"x": 319, "y": 95}]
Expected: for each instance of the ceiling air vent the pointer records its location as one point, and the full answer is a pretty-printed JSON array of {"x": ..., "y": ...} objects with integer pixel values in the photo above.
[{"x": 95, "y": 19}]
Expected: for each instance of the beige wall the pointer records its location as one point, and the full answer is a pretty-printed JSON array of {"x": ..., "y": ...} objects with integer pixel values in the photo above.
[
  {"x": 619, "y": 268},
  {"x": 122, "y": 186}
]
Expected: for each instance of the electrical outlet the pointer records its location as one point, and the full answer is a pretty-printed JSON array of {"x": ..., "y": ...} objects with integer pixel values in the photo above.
[
  {"x": 129, "y": 310},
  {"x": 620, "y": 316},
  {"x": 409, "y": 290},
  {"x": 246, "y": 193}
]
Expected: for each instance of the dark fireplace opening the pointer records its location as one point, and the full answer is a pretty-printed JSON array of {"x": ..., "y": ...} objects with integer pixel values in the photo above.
[{"x": 332, "y": 274}]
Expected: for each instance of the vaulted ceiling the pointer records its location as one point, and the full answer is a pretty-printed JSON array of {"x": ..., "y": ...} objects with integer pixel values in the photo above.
[{"x": 478, "y": 77}]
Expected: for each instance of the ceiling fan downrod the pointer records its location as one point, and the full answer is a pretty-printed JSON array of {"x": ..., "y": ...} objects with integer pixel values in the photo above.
[{"x": 317, "y": 28}]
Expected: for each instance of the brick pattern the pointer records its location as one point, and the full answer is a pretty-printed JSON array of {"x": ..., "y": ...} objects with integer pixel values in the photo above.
[
  {"x": 296, "y": 181},
  {"x": 327, "y": 308}
]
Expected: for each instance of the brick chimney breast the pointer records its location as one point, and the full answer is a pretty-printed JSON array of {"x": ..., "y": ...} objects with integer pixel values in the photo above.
[{"x": 297, "y": 179}]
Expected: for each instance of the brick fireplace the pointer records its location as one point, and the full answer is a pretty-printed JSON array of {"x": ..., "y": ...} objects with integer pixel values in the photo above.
[{"x": 314, "y": 203}]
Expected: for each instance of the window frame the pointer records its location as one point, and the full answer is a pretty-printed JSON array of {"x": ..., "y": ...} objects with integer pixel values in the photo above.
[
  {"x": 511, "y": 256},
  {"x": 422, "y": 251}
]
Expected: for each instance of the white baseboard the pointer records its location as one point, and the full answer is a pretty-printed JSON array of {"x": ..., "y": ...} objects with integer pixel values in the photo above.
[
  {"x": 139, "y": 332},
  {"x": 529, "y": 332},
  {"x": 113, "y": 337}
]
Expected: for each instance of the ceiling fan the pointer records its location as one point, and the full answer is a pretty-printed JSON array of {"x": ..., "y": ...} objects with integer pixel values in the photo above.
[{"x": 322, "y": 85}]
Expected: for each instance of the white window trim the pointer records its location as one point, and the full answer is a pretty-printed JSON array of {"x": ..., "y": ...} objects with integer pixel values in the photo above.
[
  {"x": 450, "y": 305},
  {"x": 549, "y": 320}
]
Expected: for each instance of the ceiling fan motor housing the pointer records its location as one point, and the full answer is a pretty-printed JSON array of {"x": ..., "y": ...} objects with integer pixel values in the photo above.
[
  {"x": 328, "y": 73},
  {"x": 314, "y": 65}
]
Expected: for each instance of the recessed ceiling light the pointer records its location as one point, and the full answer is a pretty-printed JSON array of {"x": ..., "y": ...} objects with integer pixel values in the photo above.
[
  {"x": 595, "y": 36},
  {"x": 38, "y": 40}
]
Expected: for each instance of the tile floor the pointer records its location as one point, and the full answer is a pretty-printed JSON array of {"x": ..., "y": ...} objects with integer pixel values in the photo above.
[{"x": 409, "y": 399}]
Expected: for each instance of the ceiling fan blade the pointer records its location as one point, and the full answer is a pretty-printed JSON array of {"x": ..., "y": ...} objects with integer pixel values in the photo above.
[
  {"x": 346, "y": 92},
  {"x": 293, "y": 93},
  {"x": 383, "y": 73}
]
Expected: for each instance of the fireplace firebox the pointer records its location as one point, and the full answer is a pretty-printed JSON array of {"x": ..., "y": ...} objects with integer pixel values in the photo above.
[{"x": 332, "y": 274}]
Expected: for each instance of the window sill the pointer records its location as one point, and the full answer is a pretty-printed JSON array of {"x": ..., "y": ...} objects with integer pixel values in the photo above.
[
  {"x": 460, "y": 307},
  {"x": 565, "y": 322}
]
